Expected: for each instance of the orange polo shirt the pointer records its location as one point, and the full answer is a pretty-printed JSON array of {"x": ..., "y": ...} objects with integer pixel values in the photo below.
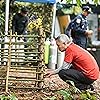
[{"x": 82, "y": 60}]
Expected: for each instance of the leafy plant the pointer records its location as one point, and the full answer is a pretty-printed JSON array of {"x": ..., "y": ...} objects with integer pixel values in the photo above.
[
  {"x": 86, "y": 95},
  {"x": 79, "y": 2},
  {"x": 50, "y": 98},
  {"x": 8, "y": 97},
  {"x": 66, "y": 94}
]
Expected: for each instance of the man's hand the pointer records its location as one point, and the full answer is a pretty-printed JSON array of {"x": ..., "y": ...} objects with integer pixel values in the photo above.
[
  {"x": 89, "y": 33},
  {"x": 49, "y": 73}
]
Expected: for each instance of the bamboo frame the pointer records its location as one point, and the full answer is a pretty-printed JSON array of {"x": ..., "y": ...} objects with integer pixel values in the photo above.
[{"x": 13, "y": 54}]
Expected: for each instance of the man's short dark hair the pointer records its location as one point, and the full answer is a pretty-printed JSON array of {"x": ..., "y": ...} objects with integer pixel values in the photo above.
[{"x": 24, "y": 10}]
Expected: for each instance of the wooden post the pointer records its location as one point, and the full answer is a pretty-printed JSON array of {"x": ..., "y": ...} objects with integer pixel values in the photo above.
[
  {"x": 41, "y": 57},
  {"x": 8, "y": 63}
]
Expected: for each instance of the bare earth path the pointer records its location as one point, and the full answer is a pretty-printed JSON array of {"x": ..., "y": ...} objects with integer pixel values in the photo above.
[{"x": 51, "y": 84}]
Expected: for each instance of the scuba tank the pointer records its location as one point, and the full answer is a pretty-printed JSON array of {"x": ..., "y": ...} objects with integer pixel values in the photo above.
[
  {"x": 60, "y": 58},
  {"x": 53, "y": 54}
]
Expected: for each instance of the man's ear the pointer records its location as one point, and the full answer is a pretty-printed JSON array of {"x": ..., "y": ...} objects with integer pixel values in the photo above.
[{"x": 64, "y": 43}]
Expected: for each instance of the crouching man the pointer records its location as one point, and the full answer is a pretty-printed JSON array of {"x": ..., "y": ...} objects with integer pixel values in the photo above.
[{"x": 79, "y": 65}]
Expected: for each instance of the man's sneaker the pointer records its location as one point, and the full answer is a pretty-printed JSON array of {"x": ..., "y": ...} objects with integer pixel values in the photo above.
[
  {"x": 86, "y": 87},
  {"x": 90, "y": 87}
]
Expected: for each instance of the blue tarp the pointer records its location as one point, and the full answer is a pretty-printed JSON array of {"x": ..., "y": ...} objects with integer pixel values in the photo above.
[{"x": 38, "y": 1}]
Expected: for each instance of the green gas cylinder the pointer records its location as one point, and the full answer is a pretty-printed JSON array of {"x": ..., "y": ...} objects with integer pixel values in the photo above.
[{"x": 46, "y": 49}]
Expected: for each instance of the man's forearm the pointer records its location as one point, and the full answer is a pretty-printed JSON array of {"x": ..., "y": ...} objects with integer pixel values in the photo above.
[{"x": 64, "y": 66}]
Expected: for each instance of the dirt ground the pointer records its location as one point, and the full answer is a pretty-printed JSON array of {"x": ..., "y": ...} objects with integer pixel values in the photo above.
[
  {"x": 55, "y": 83},
  {"x": 51, "y": 85}
]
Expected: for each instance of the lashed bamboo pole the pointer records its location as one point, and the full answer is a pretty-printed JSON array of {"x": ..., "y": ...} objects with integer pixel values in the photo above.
[
  {"x": 39, "y": 76},
  {"x": 8, "y": 63}
]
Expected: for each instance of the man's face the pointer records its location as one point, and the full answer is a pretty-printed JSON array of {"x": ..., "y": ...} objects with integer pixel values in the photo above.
[
  {"x": 24, "y": 14},
  {"x": 87, "y": 13},
  {"x": 61, "y": 45}
]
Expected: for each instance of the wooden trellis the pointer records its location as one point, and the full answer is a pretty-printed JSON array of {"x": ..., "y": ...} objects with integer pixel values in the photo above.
[{"x": 20, "y": 67}]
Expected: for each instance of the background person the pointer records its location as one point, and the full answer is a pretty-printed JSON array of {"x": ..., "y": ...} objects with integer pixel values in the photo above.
[
  {"x": 84, "y": 70},
  {"x": 19, "y": 24},
  {"x": 78, "y": 28}
]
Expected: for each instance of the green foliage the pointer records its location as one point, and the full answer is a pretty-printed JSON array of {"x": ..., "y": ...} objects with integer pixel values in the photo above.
[
  {"x": 68, "y": 1},
  {"x": 87, "y": 96},
  {"x": 79, "y": 2},
  {"x": 49, "y": 98},
  {"x": 43, "y": 15},
  {"x": 72, "y": 93},
  {"x": 42, "y": 12},
  {"x": 96, "y": 1},
  {"x": 2, "y": 21},
  {"x": 8, "y": 97},
  {"x": 66, "y": 94}
]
